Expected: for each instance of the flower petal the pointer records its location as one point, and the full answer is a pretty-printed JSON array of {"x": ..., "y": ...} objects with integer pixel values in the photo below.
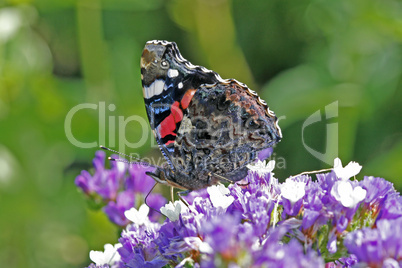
[
  {"x": 172, "y": 211},
  {"x": 217, "y": 194},
  {"x": 345, "y": 173}
]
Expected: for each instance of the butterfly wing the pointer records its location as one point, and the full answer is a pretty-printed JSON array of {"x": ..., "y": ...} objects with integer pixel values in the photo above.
[
  {"x": 207, "y": 128},
  {"x": 225, "y": 126}
]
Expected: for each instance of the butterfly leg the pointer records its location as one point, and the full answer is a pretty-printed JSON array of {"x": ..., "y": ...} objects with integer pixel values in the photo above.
[
  {"x": 171, "y": 193},
  {"x": 227, "y": 180},
  {"x": 146, "y": 197},
  {"x": 180, "y": 195},
  {"x": 156, "y": 177},
  {"x": 221, "y": 178}
]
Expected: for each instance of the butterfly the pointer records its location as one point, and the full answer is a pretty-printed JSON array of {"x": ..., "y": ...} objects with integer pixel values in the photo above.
[{"x": 207, "y": 128}]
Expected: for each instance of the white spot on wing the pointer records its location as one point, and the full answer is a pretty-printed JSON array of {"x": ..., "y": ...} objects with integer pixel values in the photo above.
[
  {"x": 173, "y": 73},
  {"x": 156, "y": 88},
  {"x": 180, "y": 85}
]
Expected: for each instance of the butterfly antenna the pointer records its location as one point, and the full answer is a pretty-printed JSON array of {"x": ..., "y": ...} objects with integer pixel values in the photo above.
[
  {"x": 146, "y": 197},
  {"x": 119, "y": 153},
  {"x": 119, "y": 160},
  {"x": 145, "y": 164},
  {"x": 127, "y": 156}
]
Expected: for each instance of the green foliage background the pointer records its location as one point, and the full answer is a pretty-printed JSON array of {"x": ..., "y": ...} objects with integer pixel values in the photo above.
[{"x": 299, "y": 55}]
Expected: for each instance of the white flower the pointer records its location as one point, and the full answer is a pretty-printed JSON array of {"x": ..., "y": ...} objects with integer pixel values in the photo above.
[
  {"x": 139, "y": 216},
  {"x": 345, "y": 173},
  {"x": 172, "y": 211},
  {"x": 197, "y": 244},
  {"x": 343, "y": 192},
  {"x": 109, "y": 256},
  {"x": 293, "y": 190},
  {"x": 261, "y": 167},
  {"x": 218, "y": 195}
]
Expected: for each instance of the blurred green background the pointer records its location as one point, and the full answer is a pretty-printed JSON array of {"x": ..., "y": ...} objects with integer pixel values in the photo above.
[{"x": 299, "y": 55}]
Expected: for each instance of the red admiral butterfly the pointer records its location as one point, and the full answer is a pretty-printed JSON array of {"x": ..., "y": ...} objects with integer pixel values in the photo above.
[{"x": 207, "y": 128}]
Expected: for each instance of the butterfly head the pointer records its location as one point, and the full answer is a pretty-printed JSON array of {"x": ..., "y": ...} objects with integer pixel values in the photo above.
[
  {"x": 163, "y": 69},
  {"x": 161, "y": 60}
]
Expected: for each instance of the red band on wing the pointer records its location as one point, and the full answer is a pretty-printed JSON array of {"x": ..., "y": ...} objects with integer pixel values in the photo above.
[
  {"x": 176, "y": 112},
  {"x": 168, "y": 125},
  {"x": 185, "y": 101},
  {"x": 169, "y": 142}
]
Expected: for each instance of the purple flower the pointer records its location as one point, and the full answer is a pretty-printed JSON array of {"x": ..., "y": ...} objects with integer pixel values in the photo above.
[
  {"x": 119, "y": 188},
  {"x": 221, "y": 242},
  {"x": 336, "y": 200},
  {"x": 292, "y": 192},
  {"x": 257, "y": 222},
  {"x": 170, "y": 242},
  {"x": 391, "y": 208},
  {"x": 264, "y": 154},
  {"x": 104, "y": 182},
  {"x": 257, "y": 184},
  {"x": 276, "y": 254},
  {"x": 137, "y": 180},
  {"x": 115, "y": 209},
  {"x": 326, "y": 180},
  {"x": 155, "y": 202},
  {"x": 343, "y": 262},
  {"x": 315, "y": 212},
  {"x": 377, "y": 189},
  {"x": 202, "y": 193},
  {"x": 220, "y": 233},
  {"x": 126, "y": 200},
  {"x": 139, "y": 260},
  {"x": 376, "y": 246},
  {"x": 381, "y": 200},
  {"x": 256, "y": 201},
  {"x": 138, "y": 246}
]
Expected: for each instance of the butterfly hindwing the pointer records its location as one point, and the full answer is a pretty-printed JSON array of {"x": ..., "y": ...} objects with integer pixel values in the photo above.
[{"x": 224, "y": 128}]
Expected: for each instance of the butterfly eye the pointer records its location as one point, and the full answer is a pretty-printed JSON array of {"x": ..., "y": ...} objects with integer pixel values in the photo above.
[
  {"x": 251, "y": 124},
  {"x": 164, "y": 64}
]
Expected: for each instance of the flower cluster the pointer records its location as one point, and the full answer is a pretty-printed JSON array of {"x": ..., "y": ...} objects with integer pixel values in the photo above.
[
  {"x": 119, "y": 189},
  {"x": 330, "y": 221}
]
